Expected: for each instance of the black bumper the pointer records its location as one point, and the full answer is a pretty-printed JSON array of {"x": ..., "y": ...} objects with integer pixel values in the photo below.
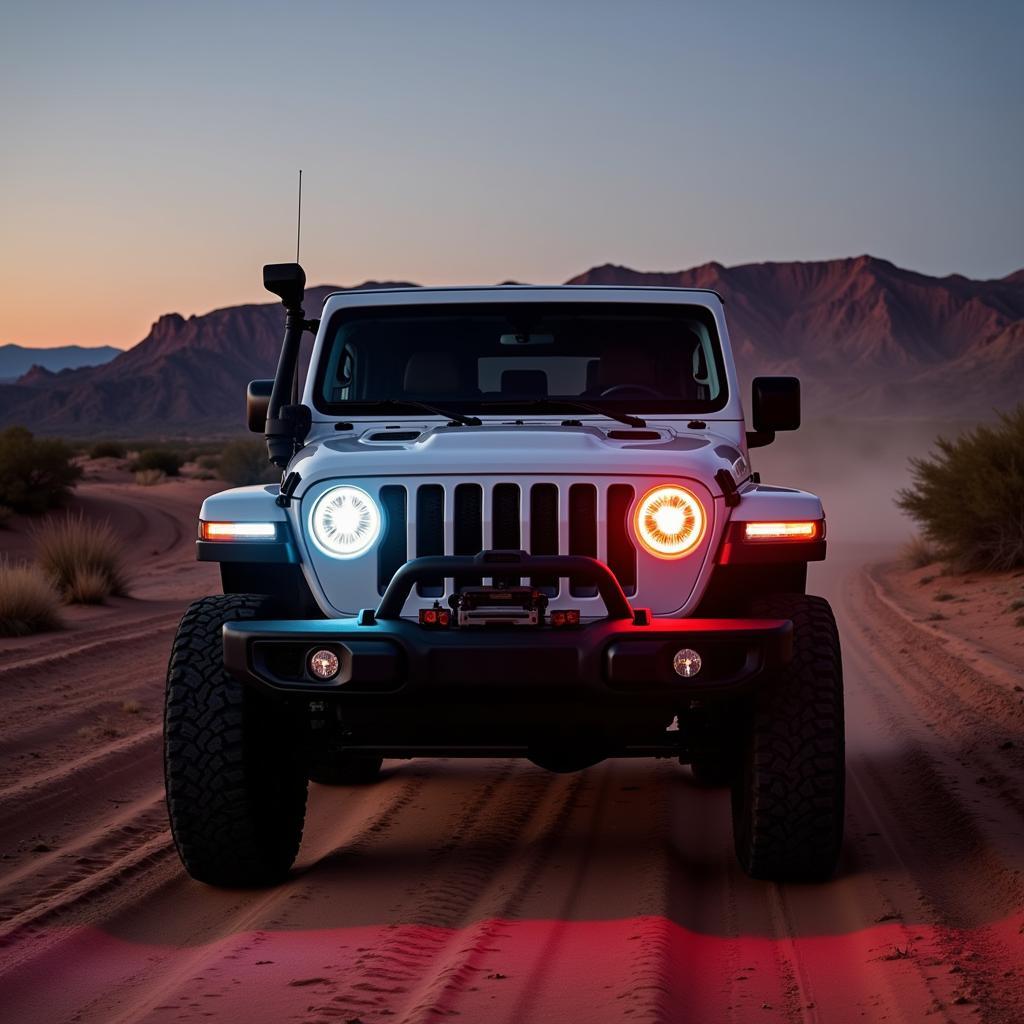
[
  {"x": 625, "y": 659},
  {"x": 610, "y": 660}
]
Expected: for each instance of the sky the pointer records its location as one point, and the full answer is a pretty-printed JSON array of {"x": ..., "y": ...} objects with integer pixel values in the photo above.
[{"x": 150, "y": 151}]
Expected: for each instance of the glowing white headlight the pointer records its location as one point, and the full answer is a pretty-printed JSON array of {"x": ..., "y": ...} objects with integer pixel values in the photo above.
[{"x": 345, "y": 522}]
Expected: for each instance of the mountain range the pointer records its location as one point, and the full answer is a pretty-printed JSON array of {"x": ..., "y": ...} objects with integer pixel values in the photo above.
[
  {"x": 866, "y": 337},
  {"x": 16, "y": 360}
]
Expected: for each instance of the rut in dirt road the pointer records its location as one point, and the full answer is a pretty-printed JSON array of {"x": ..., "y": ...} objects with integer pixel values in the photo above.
[{"x": 492, "y": 890}]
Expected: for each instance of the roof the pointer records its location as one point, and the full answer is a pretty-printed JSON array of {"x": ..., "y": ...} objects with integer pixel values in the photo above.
[{"x": 532, "y": 287}]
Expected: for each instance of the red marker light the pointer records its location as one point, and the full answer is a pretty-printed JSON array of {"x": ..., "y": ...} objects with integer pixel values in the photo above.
[{"x": 565, "y": 617}]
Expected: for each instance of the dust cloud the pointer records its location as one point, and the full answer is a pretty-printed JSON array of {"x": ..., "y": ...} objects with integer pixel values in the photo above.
[{"x": 856, "y": 467}]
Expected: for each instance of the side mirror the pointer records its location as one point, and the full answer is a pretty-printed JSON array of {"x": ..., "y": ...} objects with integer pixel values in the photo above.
[
  {"x": 287, "y": 281},
  {"x": 775, "y": 406},
  {"x": 257, "y": 402}
]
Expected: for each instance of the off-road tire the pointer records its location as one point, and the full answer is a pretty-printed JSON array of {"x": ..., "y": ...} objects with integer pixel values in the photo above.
[
  {"x": 344, "y": 768},
  {"x": 236, "y": 785},
  {"x": 788, "y": 796}
]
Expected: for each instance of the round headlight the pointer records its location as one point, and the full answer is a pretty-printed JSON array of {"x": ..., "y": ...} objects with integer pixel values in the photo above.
[
  {"x": 345, "y": 521},
  {"x": 669, "y": 521}
]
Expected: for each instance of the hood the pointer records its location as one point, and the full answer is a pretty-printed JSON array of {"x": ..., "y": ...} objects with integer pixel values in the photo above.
[{"x": 417, "y": 450}]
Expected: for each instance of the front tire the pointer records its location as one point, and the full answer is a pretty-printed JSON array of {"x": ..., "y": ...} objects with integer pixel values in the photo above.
[
  {"x": 788, "y": 796},
  {"x": 236, "y": 784}
]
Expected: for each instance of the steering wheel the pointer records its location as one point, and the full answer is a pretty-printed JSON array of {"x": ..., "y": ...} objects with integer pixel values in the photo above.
[{"x": 642, "y": 389}]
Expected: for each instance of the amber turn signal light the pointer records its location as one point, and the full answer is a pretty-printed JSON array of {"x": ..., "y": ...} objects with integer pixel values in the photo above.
[
  {"x": 237, "y": 531},
  {"x": 810, "y": 530}
]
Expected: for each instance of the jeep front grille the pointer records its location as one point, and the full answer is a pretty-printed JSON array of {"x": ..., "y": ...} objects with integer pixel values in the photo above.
[{"x": 543, "y": 518}]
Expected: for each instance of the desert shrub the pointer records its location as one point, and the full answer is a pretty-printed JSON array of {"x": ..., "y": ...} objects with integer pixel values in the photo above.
[
  {"x": 107, "y": 450},
  {"x": 968, "y": 495},
  {"x": 35, "y": 473},
  {"x": 209, "y": 462},
  {"x": 149, "y": 477},
  {"x": 73, "y": 551},
  {"x": 158, "y": 458},
  {"x": 29, "y": 603},
  {"x": 245, "y": 462},
  {"x": 87, "y": 586},
  {"x": 919, "y": 552}
]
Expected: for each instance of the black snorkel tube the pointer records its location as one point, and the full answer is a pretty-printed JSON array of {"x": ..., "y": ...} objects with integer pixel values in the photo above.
[{"x": 287, "y": 422}]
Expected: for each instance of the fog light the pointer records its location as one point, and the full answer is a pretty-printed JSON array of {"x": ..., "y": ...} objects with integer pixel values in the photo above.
[
  {"x": 324, "y": 664},
  {"x": 687, "y": 663}
]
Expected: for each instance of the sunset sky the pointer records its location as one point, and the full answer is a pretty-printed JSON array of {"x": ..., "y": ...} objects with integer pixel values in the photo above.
[{"x": 150, "y": 151}]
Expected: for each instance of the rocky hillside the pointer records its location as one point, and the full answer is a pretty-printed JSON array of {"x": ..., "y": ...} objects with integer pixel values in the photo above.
[
  {"x": 17, "y": 360},
  {"x": 867, "y": 338}
]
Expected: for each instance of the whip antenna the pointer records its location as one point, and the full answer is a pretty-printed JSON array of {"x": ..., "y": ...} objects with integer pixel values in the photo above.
[{"x": 298, "y": 225}]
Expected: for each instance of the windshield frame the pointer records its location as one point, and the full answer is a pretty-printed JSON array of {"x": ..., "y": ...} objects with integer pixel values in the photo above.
[{"x": 484, "y": 407}]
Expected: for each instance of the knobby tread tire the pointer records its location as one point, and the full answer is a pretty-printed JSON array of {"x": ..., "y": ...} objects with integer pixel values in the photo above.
[
  {"x": 236, "y": 785},
  {"x": 788, "y": 797}
]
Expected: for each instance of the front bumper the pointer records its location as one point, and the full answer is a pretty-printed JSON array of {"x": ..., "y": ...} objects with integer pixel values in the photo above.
[
  {"x": 610, "y": 661},
  {"x": 625, "y": 659}
]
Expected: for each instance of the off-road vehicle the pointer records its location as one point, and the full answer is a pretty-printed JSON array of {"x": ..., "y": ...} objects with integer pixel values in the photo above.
[{"x": 512, "y": 521}]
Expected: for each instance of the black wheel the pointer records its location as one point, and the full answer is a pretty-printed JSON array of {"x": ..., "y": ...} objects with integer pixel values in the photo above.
[
  {"x": 344, "y": 768},
  {"x": 787, "y": 797},
  {"x": 236, "y": 784}
]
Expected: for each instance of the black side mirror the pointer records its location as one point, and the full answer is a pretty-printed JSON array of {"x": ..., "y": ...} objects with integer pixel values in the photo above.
[
  {"x": 775, "y": 406},
  {"x": 287, "y": 281},
  {"x": 257, "y": 402}
]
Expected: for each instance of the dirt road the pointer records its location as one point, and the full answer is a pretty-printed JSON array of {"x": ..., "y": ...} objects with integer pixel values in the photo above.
[{"x": 492, "y": 890}]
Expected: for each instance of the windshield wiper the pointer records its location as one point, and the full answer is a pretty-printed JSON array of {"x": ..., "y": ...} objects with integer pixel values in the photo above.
[
  {"x": 454, "y": 417},
  {"x": 571, "y": 403}
]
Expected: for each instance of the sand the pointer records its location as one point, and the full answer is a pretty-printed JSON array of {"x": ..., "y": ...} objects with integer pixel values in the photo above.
[{"x": 492, "y": 891}]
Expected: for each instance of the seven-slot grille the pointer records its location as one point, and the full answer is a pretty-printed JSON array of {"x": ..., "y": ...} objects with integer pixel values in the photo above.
[{"x": 543, "y": 518}]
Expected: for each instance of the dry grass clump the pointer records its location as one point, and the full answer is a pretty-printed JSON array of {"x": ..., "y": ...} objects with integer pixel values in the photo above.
[
  {"x": 149, "y": 477},
  {"x": 82, "y": 559},
  {"x": 919, "y": 552},
  {"x": 29, "y": 603},
  {"x": 88, "y": 586}
]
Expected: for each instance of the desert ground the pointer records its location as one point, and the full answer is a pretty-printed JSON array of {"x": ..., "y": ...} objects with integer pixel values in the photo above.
[{"x": 494, "y": 891}]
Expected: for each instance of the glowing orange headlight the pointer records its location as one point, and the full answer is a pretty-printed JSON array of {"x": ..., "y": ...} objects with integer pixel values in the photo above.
[
  {"x": 782, "y": 531},
  {"x": 669, "y": 521}
]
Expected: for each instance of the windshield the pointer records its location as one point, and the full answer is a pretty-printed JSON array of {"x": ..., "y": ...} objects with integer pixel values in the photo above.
[{"x": 515, "y": 357}]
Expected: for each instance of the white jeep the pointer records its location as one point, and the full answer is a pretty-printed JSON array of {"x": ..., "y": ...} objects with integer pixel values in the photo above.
[{"x": 512, "y": 521}]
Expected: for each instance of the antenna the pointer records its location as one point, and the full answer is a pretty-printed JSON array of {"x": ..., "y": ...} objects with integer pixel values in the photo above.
[{"x": 298, "y": 226}]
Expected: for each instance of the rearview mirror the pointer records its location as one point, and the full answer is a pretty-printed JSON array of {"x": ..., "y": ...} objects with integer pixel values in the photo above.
[
  {"x": 775, "y": 406},
  {"x": 257, "y": 402}
]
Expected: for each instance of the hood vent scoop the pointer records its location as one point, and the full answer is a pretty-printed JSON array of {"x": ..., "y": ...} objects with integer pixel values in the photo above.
[
  {"x": 634, "y": 435},
  {"x": 394, "y": 435}
]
